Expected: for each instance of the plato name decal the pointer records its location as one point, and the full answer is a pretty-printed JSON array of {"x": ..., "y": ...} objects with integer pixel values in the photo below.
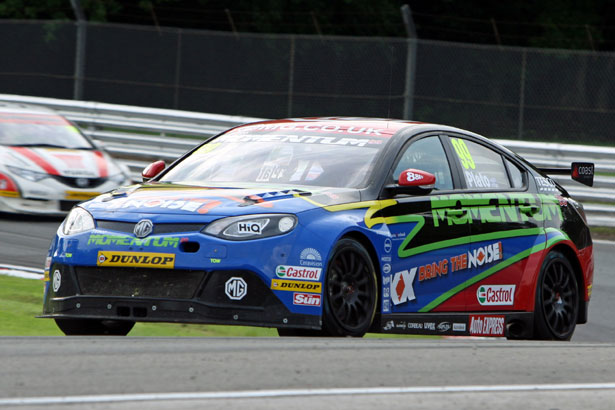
[
  {"x": 136, "y": 259},
  {"x": 295, "y": 285},
  {"x": 492, "y": 295},
  {"x": 298, "y": 272},
  {"x": 482, "y": 325}
]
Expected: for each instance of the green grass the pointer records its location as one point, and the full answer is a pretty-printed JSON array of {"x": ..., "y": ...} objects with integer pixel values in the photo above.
[{"x": 22, "y": 299}]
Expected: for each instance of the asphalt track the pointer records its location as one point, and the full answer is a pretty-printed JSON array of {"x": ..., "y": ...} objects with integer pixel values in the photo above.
[{"x": 264, "y": 373}]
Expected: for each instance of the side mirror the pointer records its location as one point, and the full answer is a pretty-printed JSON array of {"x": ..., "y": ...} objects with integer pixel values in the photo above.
[
  {"x": 413, "y": 182},
  {"x": 152, "y": 170},
  {"x": 416, "y": 177}
]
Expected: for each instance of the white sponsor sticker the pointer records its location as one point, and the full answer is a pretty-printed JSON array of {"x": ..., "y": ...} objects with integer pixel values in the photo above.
[
  {"x": 298, "y": 272},
  {"x": 306, "y": 299},
  {"x": 310, "y": 257},
  {"x": 401, "y": 286},
  {"x": 492, "y": 295}
]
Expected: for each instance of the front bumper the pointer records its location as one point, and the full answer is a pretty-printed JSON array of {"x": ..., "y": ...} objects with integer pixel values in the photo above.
[
  {"x": 50, "y": 207},
  {"x": 160, "y": 295}
]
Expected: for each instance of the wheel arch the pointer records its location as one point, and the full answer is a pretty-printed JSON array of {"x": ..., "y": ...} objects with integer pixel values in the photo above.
[
  {"x": 369, "y": 246},
  {"x": 570, "y": 254}
]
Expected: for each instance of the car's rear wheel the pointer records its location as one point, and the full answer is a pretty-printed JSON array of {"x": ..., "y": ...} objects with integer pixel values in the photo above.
[
  {"x": 350, "y": 291},
  {"x": 94, "y": 327},
  {"x": 557, "y": 299}
]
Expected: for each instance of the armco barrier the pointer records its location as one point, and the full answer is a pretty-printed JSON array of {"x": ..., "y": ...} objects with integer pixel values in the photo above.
[{"x": 139, "y": 135}]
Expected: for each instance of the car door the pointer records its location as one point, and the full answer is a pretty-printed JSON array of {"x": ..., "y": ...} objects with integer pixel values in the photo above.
[
  {"x": 505, "y": 222},
  {"x": 429, "y": 235}
]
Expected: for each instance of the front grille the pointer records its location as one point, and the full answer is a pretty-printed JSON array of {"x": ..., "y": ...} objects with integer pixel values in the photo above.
[
  {"x": 159, "y": 229},
  {"x": 139, "y": 282},
  {"x": 84, "y": 182},
  {"x": 218, "y": 291}
]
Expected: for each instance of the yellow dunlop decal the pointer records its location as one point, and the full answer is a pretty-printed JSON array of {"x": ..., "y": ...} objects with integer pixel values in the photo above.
[
  {"x": 296, "y": 285},
  {"x": 79, "y": 195},
  {"x": 136, "y": 259}
]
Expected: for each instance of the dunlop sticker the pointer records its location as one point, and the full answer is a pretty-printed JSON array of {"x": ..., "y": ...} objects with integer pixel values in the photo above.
[
  {"x": 136, "y": 259},
  {"x": 296, "y": 285}
]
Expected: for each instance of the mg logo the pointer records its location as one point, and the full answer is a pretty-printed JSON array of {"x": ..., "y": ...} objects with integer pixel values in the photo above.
[
  {"x": 236, "y": 288},
  {"x": 143, "y": 228}
]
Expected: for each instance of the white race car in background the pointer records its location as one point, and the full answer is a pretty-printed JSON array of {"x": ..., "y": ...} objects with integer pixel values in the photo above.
[{"x": 47, "y": 165}]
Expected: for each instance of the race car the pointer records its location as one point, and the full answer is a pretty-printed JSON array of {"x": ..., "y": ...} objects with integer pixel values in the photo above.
[
  {"x": 47, "y": 165},
  {"x": 331, "y": 227}
]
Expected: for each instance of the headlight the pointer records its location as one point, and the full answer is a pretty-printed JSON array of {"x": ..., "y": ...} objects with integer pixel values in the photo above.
[
  {"x": 241, "y": 228},
  {"x": 78, "y": 220},
  {"x": 33, "y": 176}
]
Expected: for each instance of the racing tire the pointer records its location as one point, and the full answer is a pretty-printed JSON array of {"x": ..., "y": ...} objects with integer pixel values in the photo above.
[
  {"x": 557, "y": 299},
  {"x": 350, "y": 291},
  {"x": 94, "y": 327}
]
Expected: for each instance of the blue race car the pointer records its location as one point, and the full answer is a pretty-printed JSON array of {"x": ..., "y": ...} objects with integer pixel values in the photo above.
[{"x": 336, "y": 227}]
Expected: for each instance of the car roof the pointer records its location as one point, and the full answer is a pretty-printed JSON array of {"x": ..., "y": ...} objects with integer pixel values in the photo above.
[{"x": 381, "y": 124}]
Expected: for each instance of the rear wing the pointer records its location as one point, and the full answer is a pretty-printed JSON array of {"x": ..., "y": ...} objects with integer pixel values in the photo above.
[{"x": 582, "y": 172}]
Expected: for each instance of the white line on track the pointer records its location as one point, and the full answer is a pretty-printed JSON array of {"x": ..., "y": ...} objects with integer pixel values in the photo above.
[
  {"x": 21, "y": 271},
  {"x": 603, "y": 242},
  {"x": 258, "y": 394}
]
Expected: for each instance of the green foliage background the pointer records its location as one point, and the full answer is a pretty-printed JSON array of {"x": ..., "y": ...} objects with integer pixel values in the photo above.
[{"x": 575, "y": 24}]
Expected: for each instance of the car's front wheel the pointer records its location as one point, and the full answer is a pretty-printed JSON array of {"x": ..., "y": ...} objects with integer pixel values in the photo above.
[
  {"x": 557, "y": 299},
  {"x": 350, "y": 290},
  {"x": 94, "y": 327}
]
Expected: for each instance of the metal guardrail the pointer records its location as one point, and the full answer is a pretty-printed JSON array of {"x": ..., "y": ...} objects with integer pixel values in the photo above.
[{"x": 138, "y": 135}]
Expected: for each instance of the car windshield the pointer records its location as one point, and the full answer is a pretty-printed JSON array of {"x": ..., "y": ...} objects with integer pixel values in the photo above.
[
  {"x": 339, "y": 157},
  {"x": 40, "y": 130}
]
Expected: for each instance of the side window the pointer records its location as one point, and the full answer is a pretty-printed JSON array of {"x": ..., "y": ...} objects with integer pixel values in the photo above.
[
  {"x": 427, "y": 154},
  {"x": 516, "y": 175},
  {"x": 482, "y": 167}
]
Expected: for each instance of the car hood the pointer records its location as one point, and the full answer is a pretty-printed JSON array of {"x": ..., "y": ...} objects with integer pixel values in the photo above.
[
  {"x": 60, "y": 161},
  {"x": 158, "y": 198}
]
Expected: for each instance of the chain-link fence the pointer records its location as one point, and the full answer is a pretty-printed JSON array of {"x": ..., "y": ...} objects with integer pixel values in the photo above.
[{"x": 501, "y": 92}]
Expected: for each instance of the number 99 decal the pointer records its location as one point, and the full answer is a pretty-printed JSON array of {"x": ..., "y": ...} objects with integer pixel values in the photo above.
[{"x": 463, "y": 153}]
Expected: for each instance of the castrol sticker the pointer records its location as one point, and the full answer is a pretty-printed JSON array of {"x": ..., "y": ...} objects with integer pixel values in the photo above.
[
  {"x": 298, "y": 272},
  {"x": 496, "y": 295}
]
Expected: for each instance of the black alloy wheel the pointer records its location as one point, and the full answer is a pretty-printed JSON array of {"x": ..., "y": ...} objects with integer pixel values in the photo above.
[
  {"x": 557, "y": 299},
  {"x": 350, "y": 291},
  {"x": 94, "y": 327}
]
